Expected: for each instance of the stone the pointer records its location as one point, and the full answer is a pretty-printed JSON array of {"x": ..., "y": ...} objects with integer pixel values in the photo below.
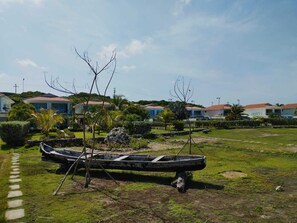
[
  {"x": 15, "y": 166},
  {"x": 15, "y": 169},
  {"x": 15, "y": 203},
  {"x": 15, "y": 180},
  {"x": 14, "y": 187},
  {"x": 117, "y": 136},
  {"x": 14, "y": 214},
  {"x": 14, "y": 172},
  {"x": 14, "y": 176},
  {"x": 14, "y": 193},
  {"x": 279, "y": 189}
]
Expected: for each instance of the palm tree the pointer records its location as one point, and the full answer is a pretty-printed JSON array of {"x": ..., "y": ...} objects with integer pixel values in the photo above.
[
  {"x": 119, "y": 101},
  {"x": 47, "y": 119},
  {"x": 235, "y": 113},
  {"x": 166, "y": 116}
]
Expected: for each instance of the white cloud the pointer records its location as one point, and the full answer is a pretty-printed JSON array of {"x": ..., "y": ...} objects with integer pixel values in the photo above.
[
  {"x": 134, "y": 47},
  {"x": 29, "y": 63},
  {"x": 21, "y": 2},
  {"x": 127, "y": 68},
  {"x": 3, "y": 75},
  {"x": 107, "y": 51},
  {"x": 180, "y": 6},
  {"x": 216, "y": 22}
]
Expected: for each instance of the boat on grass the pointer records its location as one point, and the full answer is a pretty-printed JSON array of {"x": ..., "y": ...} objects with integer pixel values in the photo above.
[{"x": 163, "y": 163}]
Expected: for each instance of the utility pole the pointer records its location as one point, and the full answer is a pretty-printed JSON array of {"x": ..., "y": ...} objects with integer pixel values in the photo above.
[
  {"x": 23, "y": 85},
  {"x": 15, "y": 88},
  {"x": 219, "y": 98}
]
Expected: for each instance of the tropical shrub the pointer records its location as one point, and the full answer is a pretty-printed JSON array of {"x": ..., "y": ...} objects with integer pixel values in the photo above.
[
  {"x": 178, "y": 125},
  {"x": 137, "y": 127},
  {"x": 166, "y": 116},
  {"x": 21, "y": 112},
  {"x": 14, "y": 132},
  {"x": 47, "y": 120}
]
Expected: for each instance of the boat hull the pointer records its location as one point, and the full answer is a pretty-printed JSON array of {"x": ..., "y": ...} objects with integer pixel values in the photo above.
[{"x": 125, "y": 162}]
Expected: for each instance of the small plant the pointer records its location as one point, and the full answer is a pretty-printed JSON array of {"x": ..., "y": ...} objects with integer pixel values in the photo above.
[{"x": 138, "y": 143}]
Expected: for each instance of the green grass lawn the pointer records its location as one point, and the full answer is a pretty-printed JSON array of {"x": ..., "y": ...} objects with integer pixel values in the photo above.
[{"x": 148, "y": 197}]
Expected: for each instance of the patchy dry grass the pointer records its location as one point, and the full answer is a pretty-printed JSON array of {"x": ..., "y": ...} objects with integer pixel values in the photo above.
[{"x": 148, "y": 197}]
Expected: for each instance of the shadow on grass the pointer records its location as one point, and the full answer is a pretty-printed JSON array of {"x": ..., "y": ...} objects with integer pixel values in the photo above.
[
  {"x": 6, "y": 147},
  {"x": 145, "y": 178}
]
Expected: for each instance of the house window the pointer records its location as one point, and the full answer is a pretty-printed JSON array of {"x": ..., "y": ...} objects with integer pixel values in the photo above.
[
  {"x": 39, "y": 106},
  {"x": 197, "y": 113},
  {"x": 269, "y": 111},
  {"x": 277, "y": 112},
  {"x": 60, "y": 108}
]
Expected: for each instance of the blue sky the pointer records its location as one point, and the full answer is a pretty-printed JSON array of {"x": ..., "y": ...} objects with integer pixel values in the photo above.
[{"x": 244, "y": 49}]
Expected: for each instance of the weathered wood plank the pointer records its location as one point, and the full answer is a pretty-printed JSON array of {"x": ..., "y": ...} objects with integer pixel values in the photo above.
[
  {"x": 157, "y": 159},
  {"x": 121, "y": 158}
]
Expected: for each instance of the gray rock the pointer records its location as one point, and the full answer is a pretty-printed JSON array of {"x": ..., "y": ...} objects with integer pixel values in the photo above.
[
  {"x": 279, "y": 189},
  {"x": 117, "y": 136}
]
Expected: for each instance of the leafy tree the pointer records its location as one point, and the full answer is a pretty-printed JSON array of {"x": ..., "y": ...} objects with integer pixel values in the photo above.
[
  {"x": 21, "y": 112},
  {"x": 137, "y": 110},
  {"x": 179, "y": 110},
  {"x": 47, "y": 119},
  {"x": 166, "y": 116},
  {"x": 235, "y": 113}
]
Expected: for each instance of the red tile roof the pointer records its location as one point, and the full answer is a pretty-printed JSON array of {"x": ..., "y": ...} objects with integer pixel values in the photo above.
[
  {"x": 42, "y": 98},
  {"x": 96, "y": 103},
  {"x": 261, "y": 105},
  {"x": 290, "y": 106},
  {"x": 153, "y": 107},
  {"x": 218, "y": 107},
  {"x": 194, "y": 108}
]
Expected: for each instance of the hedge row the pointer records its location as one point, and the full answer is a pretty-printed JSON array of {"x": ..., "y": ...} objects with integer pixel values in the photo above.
[
  {"x": 14, "y": 133},
  {"x": 245, "y": 123}
]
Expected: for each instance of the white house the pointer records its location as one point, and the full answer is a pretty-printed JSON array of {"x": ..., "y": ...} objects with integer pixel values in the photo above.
[
  {"x": 262, "y": 110},
  {"x": 79, "y": 108},
  {"x": 195, "y": 111},
  {"x": 5, "y": 106},
  {"x": 50, "y": 101},
  {"x": 289, "y": 110},
  {"x": 217, "y": 111},
  {"x": 153, "y": 110}
]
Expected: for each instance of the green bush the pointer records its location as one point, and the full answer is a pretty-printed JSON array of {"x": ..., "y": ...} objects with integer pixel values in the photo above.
[
  {"x": 178, "y": 125},
  {"x": 66, "y": 133},
  {"x": 14, "y": 132},
  {"x": 137, "y": 127}
]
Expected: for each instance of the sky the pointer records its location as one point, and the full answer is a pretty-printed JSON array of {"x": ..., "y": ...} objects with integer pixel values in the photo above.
[{"x": 229, "y": 51}]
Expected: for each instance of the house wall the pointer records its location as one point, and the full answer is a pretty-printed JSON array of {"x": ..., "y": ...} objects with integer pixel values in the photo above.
[
  {"x": 255, "y": 112},
  {"x": 5, "y": 102},
  {"x": 61, "y": 108},
  {"x": 288, "y": 112},
  {"x": 262, "y": 112},
  {"x": 153, "y": 112},
  {"x": 214, "y": 113}
]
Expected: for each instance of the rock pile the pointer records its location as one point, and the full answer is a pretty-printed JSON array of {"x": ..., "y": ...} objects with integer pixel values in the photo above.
[{"x": 117, "y": 136}]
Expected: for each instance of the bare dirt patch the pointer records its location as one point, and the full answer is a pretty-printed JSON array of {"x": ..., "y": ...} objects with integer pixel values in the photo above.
[
  {"x": 153, "y": 146},
  {"x": 233, "y": 174},
  {"x": 269, "y": 135}
]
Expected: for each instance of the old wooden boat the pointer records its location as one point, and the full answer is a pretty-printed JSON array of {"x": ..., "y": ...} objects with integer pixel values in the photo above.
[{"x": 125, "y": 162}]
